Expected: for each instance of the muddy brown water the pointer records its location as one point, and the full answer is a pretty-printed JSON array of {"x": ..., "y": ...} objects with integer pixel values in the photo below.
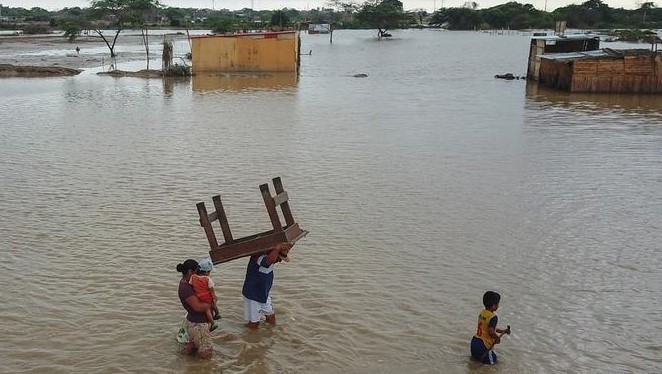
[{"x": 422, "y": 185}]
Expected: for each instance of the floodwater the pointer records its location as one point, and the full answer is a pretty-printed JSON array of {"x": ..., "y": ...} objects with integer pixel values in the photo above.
[{"x": 422, "y": 185}]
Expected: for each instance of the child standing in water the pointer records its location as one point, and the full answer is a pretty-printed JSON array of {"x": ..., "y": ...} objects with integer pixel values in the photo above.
[
  {"x": 487, "y": 334},
  {"x": 203, "y": 286}
]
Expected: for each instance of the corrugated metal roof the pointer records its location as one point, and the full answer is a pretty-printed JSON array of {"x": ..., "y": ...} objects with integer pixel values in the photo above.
[
  {"x": 576, "y": 55},
  {"x": 567, "y": 37},
  {"x": 605, "y": 52}
]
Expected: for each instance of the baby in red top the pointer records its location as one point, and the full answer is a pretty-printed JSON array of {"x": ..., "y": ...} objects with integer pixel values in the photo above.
[{"x": 203, "y": 286}]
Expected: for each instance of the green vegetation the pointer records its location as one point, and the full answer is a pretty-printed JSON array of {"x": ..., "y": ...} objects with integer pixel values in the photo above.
[
  {"x": 382, "y": 15},
  {"x": 592, "y": 14},
  {"x": 279, "y": 20}
]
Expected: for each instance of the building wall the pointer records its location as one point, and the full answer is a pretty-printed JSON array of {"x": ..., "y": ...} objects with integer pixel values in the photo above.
[
  {"x": 629, "y": 74},
  {"x": 555, "y": 73},
  {"x": 626, "y": 74},
  {"x": 239, "y": 81},
  {"x": 541, "y": 46},
  {"x": 270, "y": 52}
]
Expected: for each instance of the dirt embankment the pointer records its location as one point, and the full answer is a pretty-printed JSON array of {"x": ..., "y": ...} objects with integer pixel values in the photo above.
[
  {"x": 53, "y": 55},
  {"x": 8, "y": 70}
]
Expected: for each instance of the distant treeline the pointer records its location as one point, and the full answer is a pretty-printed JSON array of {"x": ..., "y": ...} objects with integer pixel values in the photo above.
[{"x": 592, "y": 14}]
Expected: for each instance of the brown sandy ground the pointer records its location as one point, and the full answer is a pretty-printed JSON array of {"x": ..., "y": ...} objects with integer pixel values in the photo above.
[
  {"x": 8, "y": 70},
  {"x": 25, "y": 52}
]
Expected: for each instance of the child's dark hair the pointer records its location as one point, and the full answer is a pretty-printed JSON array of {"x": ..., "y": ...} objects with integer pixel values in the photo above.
[{"x": 491, "y": 298}]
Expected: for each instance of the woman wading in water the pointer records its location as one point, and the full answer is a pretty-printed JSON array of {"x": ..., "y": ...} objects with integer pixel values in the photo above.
[{"x": 196, "y": 318}]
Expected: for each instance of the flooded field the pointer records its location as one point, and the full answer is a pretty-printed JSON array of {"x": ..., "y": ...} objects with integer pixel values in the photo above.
[{"x": 423, "y": 185}]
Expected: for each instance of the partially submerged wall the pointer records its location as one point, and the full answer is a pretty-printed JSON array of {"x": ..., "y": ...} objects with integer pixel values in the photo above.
[
  {"x": 265, "y": 52},
  {"x": 631, "y": 72}
]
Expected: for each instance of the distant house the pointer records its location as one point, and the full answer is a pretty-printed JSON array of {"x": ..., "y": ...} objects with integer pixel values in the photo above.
[
  {"x": 319, "y": 28},
  {"x": 249, "y": 52},
  {"x": 11, "y": 19}
]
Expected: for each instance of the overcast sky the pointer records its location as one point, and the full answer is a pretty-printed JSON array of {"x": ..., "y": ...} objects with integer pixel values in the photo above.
[{"x": 309, "y": 4}]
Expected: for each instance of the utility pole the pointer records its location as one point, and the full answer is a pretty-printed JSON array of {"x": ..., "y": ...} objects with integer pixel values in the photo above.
[{"x": 545, "y": 5}]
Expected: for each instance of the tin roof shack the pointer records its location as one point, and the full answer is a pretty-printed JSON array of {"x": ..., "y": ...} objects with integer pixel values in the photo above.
[
  {"x": 557, "y": 44},
  {"x": 255, "y": 52},
  {"x": 319, "y": 28},
  {"x": 604, "y": 71}
]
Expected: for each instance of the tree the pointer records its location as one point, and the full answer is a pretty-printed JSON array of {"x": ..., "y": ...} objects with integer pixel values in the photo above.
[
  {"x": 382, "y": 15},
  {"x": 222, "y": 24},
  {"x": 279, "y": 19},
  {"x": 176, "y": 16},
  {"x": 514, "y": 15},
  {"x": 121, "y": 13},
  {"x": 72, "y": 22},
  {"x": 457, "y": 18}
]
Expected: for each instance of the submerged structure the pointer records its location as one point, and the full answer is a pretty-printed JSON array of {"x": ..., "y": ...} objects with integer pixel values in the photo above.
[
  {"x": 541, "y": 45},
  {"x": 319, "y": 28},
  {"x": 250, "y": 52},
  {"x": 577, "y": 64},
  {"x": 606, "y": 70}
]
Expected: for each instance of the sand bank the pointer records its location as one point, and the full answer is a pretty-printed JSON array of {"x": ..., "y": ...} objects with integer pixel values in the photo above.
[{"x": 57, "y": 51}]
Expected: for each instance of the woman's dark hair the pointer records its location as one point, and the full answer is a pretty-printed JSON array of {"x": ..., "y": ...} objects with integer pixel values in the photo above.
[
  {"x": 187, "y": 265},
  {"x": 491, "y": 298}
]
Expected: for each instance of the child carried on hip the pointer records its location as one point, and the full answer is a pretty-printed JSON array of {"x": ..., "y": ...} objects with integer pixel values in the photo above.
[{"x": 203, "y": 286}]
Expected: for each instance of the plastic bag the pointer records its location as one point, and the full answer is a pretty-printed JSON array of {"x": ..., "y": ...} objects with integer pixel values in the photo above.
[{"x": 182, "y": 334}]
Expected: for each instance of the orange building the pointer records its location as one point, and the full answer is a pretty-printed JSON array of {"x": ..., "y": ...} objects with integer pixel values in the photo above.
[{"x": 255, "y": 52}]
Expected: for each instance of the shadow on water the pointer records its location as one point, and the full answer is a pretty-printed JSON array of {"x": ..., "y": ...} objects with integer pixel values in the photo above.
[
  {"x": 243, "y": 81},
  {"x": 539, "y": 96}
]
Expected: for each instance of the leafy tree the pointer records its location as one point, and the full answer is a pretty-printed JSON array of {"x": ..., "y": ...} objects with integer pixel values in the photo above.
[
  {"x": 72, "y": 22},
  {"x": 35, "y": 28},
  {"x": 595, "y": 11},
  {"x": 38, "y": 14},
  {"x": 222, "y": 24},
  {"x": 457, "y": 18},
  {"x": 71, "y": 29},
  {"x": 121, "y": 13},
  {"x": 382, "y": 15},
  {"x": 176, "y": 16},
  {"x": 279, "y": 19},
  {"x": 514, "y": 15}
]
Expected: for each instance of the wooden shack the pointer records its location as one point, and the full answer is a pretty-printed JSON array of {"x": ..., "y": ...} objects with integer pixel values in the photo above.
[
  {"x": 319, "y": 28},
  {"x": 250, "y": 52},
  {"x": 605, "y": 71},
  {"x": 557, "y": 44}
]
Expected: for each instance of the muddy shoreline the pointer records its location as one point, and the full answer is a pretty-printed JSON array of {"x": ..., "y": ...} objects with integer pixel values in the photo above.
[{"x": 29, "y": 52}]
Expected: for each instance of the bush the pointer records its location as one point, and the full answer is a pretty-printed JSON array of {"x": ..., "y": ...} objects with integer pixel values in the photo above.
[
  {"x": 178, "y": 71},
  {"x": 34, "y": 28}
]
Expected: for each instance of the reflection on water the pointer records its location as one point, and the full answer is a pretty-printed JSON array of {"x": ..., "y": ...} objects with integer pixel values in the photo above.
[
  {"x": 243, "y": 81},
  {"x": 538, "y": 94}
]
